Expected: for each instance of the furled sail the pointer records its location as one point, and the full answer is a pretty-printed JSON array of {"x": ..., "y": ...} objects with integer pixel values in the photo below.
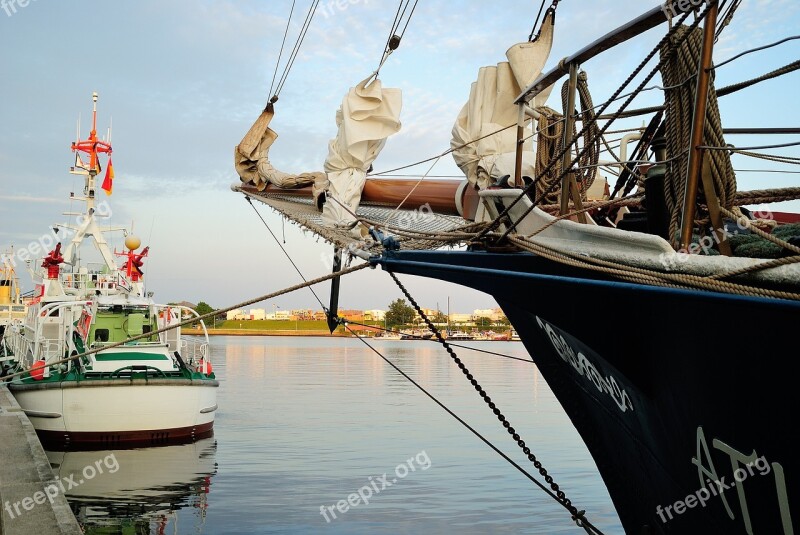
[
  {"x": 491, "y": 108},
  {"x": 369, "y": 114},
  {"x": 251, "y": 158}
]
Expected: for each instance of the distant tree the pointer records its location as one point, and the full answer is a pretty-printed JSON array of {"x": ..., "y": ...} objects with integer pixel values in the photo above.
[
  {"x": 399, "y": 313},
  {"x": 503, "y": 321},
  {"x": 440, "y": 317},
  {"x": 203, "y": 308},
  {"x": 483, "y": 321}
]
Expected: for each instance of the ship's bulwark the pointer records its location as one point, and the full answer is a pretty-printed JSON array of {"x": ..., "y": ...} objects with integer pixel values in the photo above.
[{"x": 678, "y": 394}]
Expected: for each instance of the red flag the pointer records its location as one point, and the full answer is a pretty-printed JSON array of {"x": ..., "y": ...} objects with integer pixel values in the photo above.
[{"x": 109, "y": 178}]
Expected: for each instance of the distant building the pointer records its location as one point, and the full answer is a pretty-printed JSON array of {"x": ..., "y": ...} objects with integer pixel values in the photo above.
[
  {"x": 352, "y": 315},
  {"x": 431, "y": 313},
  {"x": 460, "y": 318},
  {"x": 237, "y": 314},
  {"x": 283, "y": 315},
  {"x": 320, "y": 315},
  {"x": 258, "y": 314},
  {"x": 494, "y": 314},
  {"x": 303, "y": 314},
  {"x": 374, "y": 315}
]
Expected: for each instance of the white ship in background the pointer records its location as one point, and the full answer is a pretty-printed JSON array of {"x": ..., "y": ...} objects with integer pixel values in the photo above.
[{"x": 154, "y": 389}]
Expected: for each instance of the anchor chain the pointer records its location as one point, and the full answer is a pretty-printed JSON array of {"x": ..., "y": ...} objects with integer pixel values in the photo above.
[{"x": 577, "y": 516}]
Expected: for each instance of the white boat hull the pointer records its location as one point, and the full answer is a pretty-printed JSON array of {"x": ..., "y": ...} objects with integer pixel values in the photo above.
[{"x": 120, "y": 412}]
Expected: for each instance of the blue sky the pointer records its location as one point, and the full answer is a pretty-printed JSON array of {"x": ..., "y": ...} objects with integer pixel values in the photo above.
[{"x": 183, "y": 80}]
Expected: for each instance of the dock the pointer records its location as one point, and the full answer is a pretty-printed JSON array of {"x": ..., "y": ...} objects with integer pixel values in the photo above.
[{"x": 31, "y": 499}]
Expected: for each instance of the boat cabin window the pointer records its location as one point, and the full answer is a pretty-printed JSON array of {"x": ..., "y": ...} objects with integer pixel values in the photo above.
[{"x": 101, "y": 335}]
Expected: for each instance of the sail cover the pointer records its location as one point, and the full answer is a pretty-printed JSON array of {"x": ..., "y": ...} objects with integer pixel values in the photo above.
[
  {"x": 491, "y": 108},
  {"x": 369, "y": 114},
  {"x": 251, "y": 158}
]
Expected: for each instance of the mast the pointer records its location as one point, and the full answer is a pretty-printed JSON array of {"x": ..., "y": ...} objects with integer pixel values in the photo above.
[{"x": 93, "y": 148}]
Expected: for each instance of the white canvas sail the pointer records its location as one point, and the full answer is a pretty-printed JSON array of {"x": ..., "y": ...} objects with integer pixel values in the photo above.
[
  {"x": 491, "y": 108},
  {"x": 369, "y": 114}
]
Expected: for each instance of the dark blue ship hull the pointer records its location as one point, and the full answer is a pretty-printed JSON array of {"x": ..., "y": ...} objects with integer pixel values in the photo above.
[{"x": 684, "y": 398}]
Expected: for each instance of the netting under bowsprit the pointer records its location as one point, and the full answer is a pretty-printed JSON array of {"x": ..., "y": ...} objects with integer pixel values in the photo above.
[{"x": 417, "y": 229}]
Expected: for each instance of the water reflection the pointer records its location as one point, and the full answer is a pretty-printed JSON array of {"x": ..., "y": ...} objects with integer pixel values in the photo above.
[{"x": 138, "y": 490}]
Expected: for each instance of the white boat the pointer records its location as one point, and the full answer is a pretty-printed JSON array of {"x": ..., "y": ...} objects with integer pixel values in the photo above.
[
  {"x": 153, "y": 389},
  {"x": 387, "y": 335},
  {"x": 460, "y": 335}
]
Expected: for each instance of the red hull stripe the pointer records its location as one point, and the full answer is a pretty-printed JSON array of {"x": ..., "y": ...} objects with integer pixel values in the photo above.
[{"x": 92, "y": 440}]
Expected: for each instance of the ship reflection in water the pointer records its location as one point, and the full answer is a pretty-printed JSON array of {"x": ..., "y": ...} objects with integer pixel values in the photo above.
[{"x": 138, "y": 490}]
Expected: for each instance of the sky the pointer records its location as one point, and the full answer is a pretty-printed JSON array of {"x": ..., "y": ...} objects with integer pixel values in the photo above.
[{"x": 183, "y": 81}]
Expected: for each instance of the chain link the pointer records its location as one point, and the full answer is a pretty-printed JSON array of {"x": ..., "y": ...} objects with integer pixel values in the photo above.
[{"x": 577, "y": 516}]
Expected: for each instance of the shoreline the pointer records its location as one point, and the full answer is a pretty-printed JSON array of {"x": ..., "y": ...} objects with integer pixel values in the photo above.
[
  {"x": 313, "y": 333},
  {"x": 260, "y": 332}
]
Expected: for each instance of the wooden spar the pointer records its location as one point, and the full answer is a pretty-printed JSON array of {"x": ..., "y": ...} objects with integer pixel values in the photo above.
[
  {"x": 442, "y": 196},
  {"x": 627, "y": 31},
  {"x": 520, "y": 143},
  {"x": 700, "y": 107}
]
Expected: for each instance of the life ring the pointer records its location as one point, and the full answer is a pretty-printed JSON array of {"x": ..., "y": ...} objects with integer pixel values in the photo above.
[{"x": 204, "y": 367}]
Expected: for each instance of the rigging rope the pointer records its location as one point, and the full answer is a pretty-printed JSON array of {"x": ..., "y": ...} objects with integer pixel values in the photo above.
[
  {"x": 300, "y": 38},
  {"x": 680, "y": 104},
  {"x": 250, "y": 202},
  {"x": 393, "y": 331},
  {"x": 471, "y": 429},
  {"x": 648, "y": 276},
  {"x": 726, "y": 18},
  {"x": 283, "y": 42},
  {"x": 536, "y": 22},
  {"x": 750, "y": 51},
  {"x": 791, "y": 67},
  {"x": 577, "y": 516},
  {"x": 394, "y": 39}
]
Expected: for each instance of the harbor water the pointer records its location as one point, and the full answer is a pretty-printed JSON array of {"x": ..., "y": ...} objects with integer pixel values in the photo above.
[{"x": 319, "y": 435}]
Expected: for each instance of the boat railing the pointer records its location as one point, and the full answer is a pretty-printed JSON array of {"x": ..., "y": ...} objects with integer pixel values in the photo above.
[
  {"x": 26, "y": 351},
  {"x": 20, "y": 346},
  {"x": 51, "y": 349},
  {"x": 191, "y": 312},
  {"x": 194, "y": 351},
  {"x": 88, "y": 281}
]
